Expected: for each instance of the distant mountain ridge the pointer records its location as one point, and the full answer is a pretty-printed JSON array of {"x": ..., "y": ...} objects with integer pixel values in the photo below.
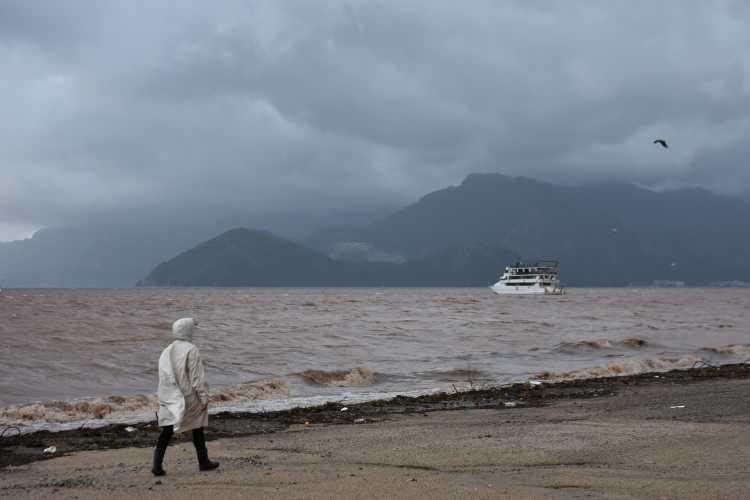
[
  {"x": 605, "y": 234},
  {"x": 247, "y": 257},
  {"x": 116, "y": 252},
  {"x": 101, "y": 256}
]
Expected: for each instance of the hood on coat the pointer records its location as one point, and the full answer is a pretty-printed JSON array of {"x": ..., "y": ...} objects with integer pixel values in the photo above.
[{"x": 182, "y": 329}]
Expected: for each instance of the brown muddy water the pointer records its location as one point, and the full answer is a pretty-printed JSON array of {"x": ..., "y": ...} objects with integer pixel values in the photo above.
[{"x": 73, "y": 357}]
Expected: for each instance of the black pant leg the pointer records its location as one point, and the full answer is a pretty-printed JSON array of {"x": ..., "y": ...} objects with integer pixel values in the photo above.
[
  {"x": 199, "y": 441},
  {"x": 166, "y": 435},
  {"x": 161, "y": 449}
]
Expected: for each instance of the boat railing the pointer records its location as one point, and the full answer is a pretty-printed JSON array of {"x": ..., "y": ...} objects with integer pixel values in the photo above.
[{"x": 534, "y": 273}]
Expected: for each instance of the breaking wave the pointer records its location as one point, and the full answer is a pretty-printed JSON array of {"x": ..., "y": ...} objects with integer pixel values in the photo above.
[
  {"x": 740, "y": 350},
  {"x": 250, "y": 391},
  {"x": 124, "y": 408},
  {"x": 634, "y": 342},
  {"x": 340, "y": 378},
  {"x": 457, "y": 300},
  {"x": 624, "y": 367},
  {"x": 458, "y": 375},
  {"x": 630, "y": 343},
  {"x": 584, "y": 344}
]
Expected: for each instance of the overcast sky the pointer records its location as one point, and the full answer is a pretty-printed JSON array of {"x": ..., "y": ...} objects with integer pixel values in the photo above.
[{"x": 265, "y": 106}]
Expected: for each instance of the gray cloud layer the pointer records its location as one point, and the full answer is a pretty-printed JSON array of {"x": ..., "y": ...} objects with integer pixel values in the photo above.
[{"x": 263, "y": 106}]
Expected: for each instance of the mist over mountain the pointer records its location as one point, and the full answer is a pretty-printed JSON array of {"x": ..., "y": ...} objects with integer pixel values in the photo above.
[
  {"x": 98, "y": 256},
  {"x": 134, "y": 110},
  {"x": 603, "y": 234},
  {"x": 118, "y": 251}
]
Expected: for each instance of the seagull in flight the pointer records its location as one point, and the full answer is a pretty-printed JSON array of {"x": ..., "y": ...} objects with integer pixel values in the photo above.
[{"x": 661, "y": 142}]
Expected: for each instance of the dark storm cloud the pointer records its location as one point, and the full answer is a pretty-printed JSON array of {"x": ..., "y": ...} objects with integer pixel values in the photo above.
[{"x": 312, "y": 106}]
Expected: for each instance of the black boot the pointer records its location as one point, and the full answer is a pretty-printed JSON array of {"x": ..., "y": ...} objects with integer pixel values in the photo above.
[
  {"x": 208, "y": 464},
  {"x": 161, "y": 449},
  {"x": 199, "y": 441}
]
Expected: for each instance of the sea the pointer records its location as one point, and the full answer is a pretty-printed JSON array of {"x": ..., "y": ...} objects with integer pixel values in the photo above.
[{"x": 82, "y": 357}]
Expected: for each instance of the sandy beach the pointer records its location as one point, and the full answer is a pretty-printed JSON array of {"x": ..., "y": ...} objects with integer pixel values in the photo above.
[{"x": 683, "y": 434}]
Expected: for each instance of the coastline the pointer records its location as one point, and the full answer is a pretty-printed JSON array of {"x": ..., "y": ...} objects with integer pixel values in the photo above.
[
  {"x": 680, "y": 434},
  {"x": 16, "y": 450}
]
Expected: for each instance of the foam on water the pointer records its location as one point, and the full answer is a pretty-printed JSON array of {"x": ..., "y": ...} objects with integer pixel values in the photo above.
[
  {"x": 359, "y": 376},
  {"x": 127, "y": 409},
  {"x": 583, "y": 345},
  {"x": 624, "y": 367},
  {"x": 741, "y": 350},
  {"x": 56, "y": 422}
]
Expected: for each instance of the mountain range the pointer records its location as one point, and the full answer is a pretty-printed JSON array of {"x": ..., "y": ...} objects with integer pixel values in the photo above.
[
  {"x": 246, "y": 257},
  {"x": 603, "y": 235}
]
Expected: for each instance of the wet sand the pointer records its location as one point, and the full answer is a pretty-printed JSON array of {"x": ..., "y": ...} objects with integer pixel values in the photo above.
[{"x": 602, "y": 438}]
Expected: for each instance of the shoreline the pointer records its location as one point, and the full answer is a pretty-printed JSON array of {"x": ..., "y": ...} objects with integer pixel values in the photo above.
[{"x": 17, "y": 450}]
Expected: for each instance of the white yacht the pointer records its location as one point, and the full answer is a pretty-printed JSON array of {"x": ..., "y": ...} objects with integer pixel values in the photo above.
[{"x": 542, "y": 277}]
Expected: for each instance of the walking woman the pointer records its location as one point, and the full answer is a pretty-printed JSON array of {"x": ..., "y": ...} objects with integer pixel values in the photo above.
[{"x": 183, "y": 395}]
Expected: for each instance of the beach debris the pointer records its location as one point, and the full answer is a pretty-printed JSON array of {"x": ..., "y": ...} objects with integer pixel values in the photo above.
[
  {"x": 50, "y": 450},
  {"x": 676, "y": 407},
  {"x": 361, "y": 420},
  {"x": 510, "y": 404},
  {"x": 535, "y": 382},
  {"x": 130, "y": 429},
  {"x": 344, "y": 409},
  {"x": 307, "y": 423}
]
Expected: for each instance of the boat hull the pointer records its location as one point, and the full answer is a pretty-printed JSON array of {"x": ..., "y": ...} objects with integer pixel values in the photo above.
[{"x": 525, "y": 290}]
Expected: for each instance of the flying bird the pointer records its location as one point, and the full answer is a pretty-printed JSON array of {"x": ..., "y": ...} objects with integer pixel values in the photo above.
[{"x": 661, "y": 142}]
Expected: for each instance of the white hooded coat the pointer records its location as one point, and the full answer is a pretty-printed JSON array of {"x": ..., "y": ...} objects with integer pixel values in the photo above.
[{"x": 183, "y": 391}]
